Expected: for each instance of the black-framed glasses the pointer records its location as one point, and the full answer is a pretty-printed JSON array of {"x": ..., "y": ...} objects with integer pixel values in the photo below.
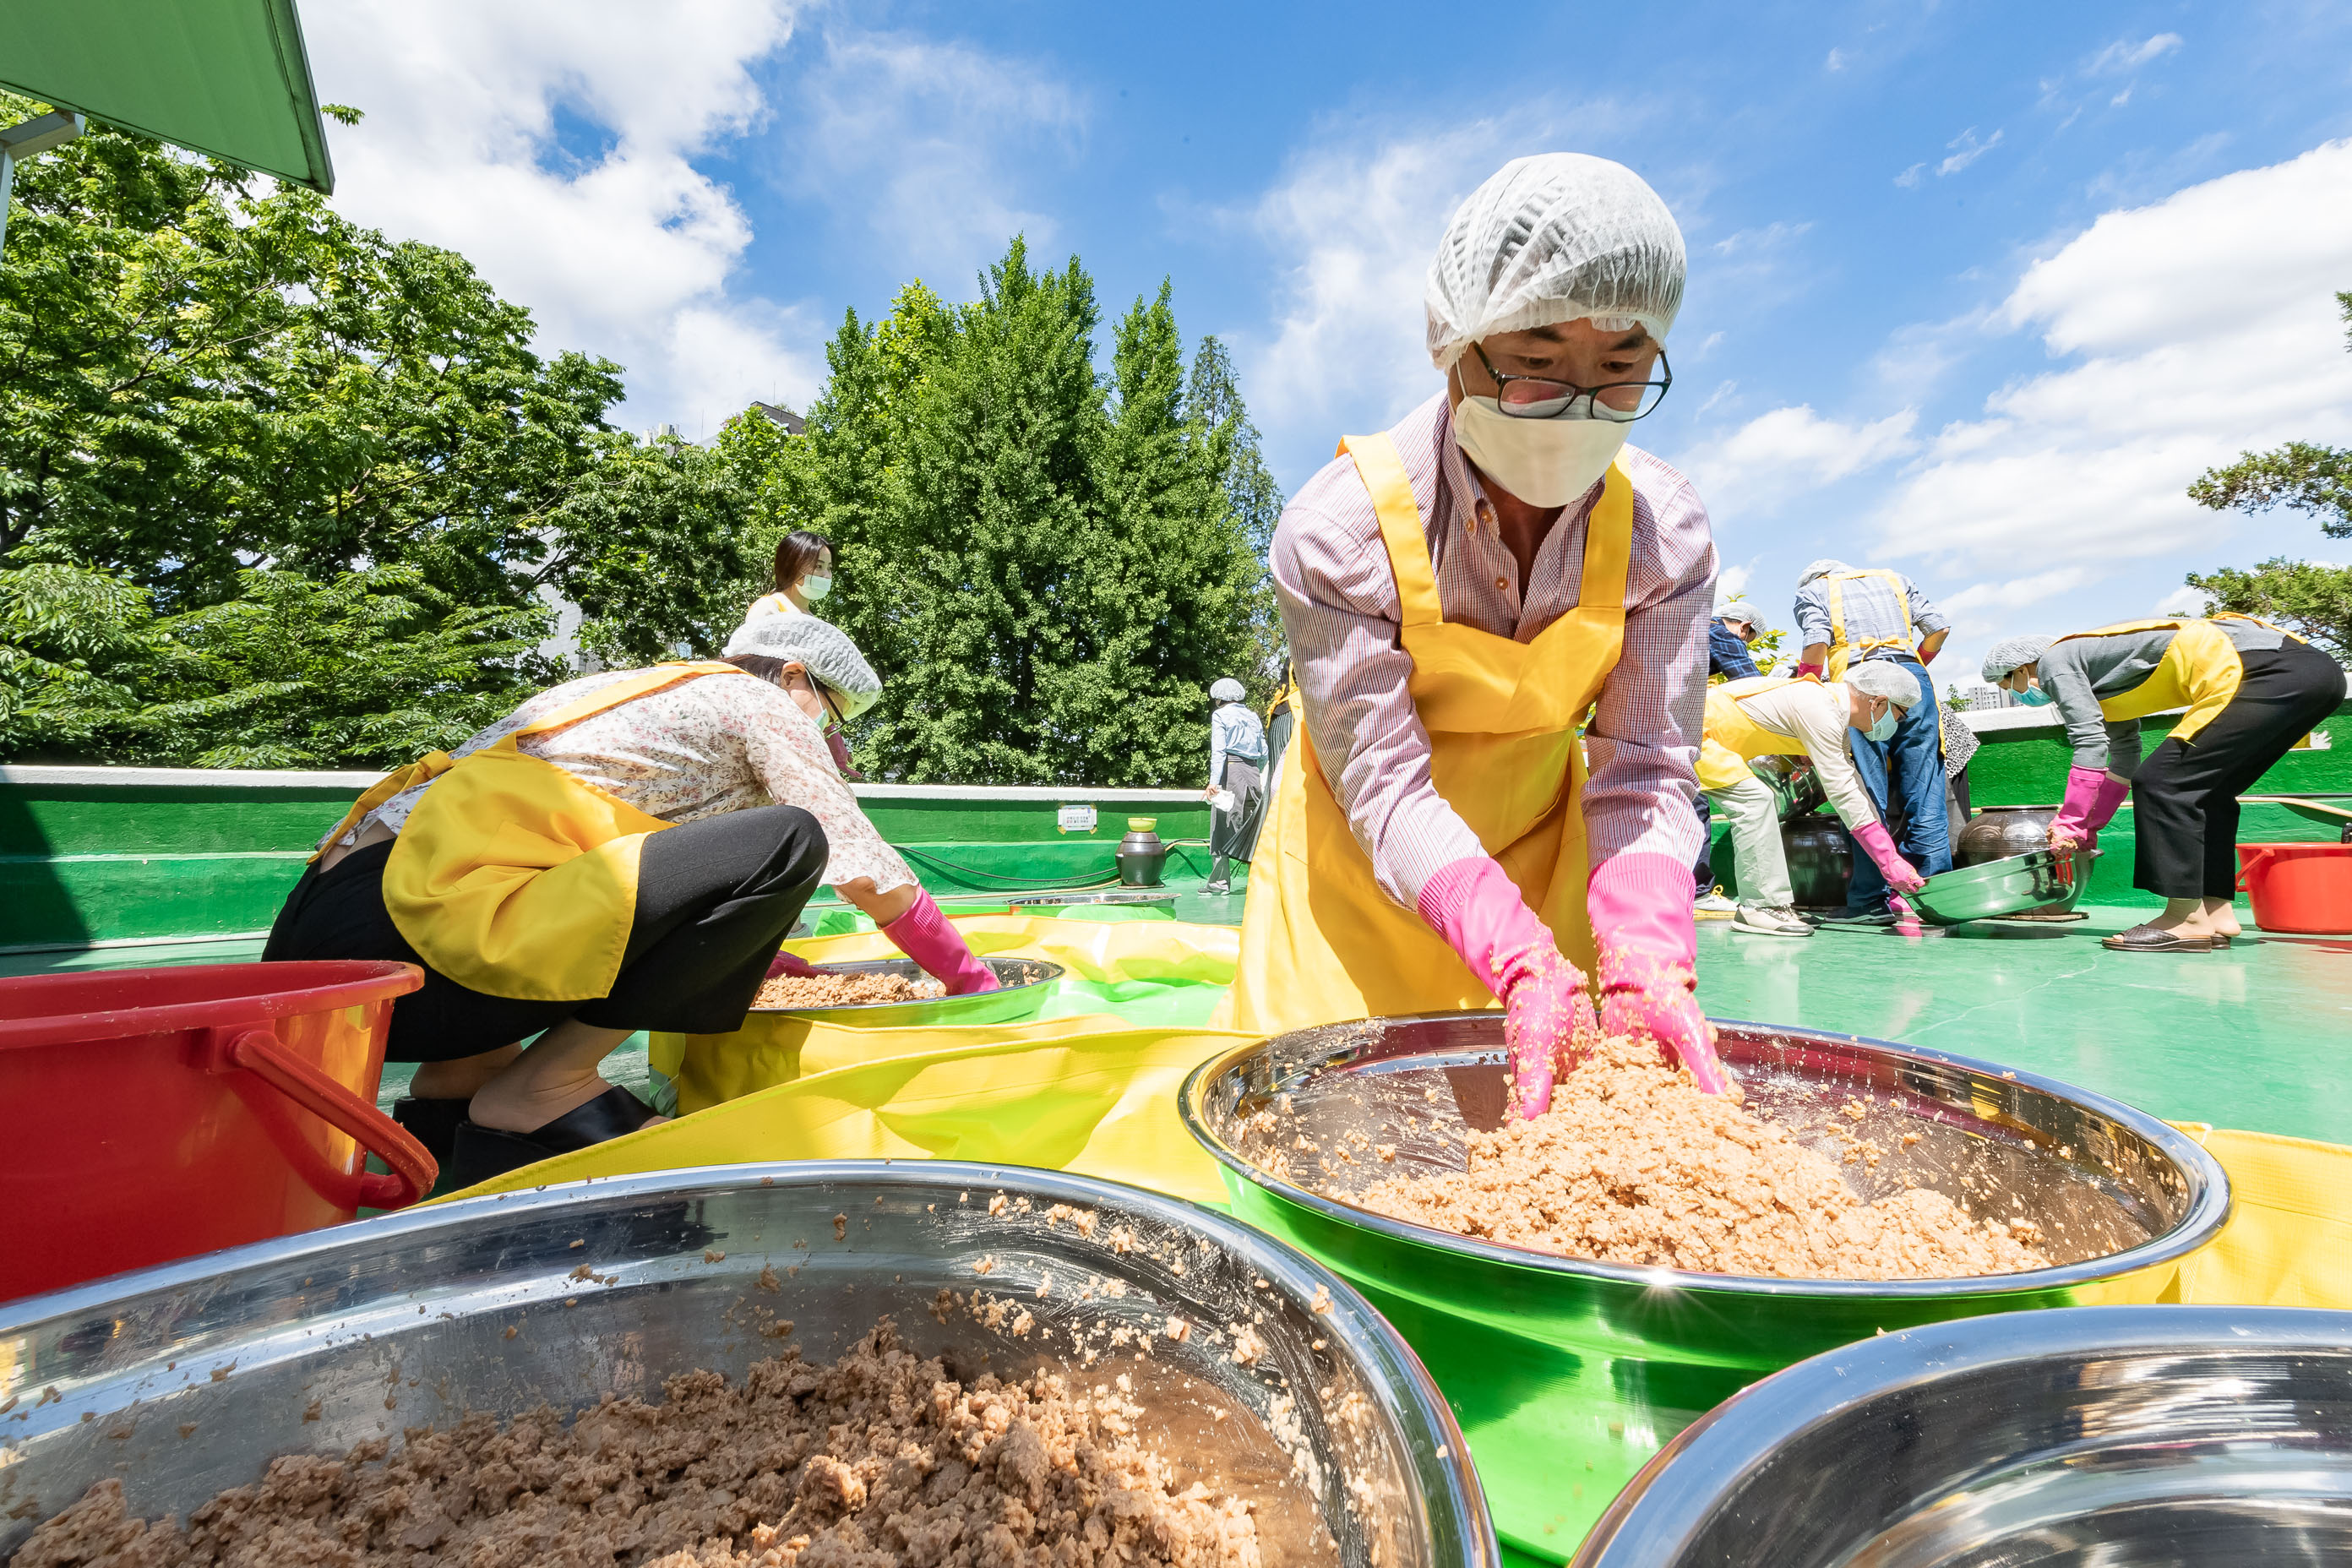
[{"x": 1538, "y": 397}]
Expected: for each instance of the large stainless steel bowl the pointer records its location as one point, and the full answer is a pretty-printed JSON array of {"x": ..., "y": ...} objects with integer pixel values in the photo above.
[
  {"x": 314, "y": 1343},
  {"x": 1567, "y": 1374},
  {"x": 1146, "y": 898},
  {"x": 2042, "y": 881},
  {"x": 2114, "y": 1436},
  {"x": 1020, "y": 991}
]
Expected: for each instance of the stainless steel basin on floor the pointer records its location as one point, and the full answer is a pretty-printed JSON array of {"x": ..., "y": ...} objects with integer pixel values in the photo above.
[
  {"x": 2087, "y": 1438},
  {"x": 1021, "y": 990},
  {"x": 188, "y": 1379}
]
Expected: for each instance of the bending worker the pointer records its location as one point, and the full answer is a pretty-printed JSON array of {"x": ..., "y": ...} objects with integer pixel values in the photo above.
[
  {"x": 1799, "y": 717},
  {"x": 1237, "y": 768},
  {"x": 1459, "y": 592},
  {"x": 1875, "y": 615},
  {"x": 1729, "y": 635},
  {"x": 2252, "y": 691},
  {"x": 623, "y": 852}
]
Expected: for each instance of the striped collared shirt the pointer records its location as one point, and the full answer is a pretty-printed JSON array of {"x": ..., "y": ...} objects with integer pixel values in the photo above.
[
  {"x": 1340, "y": 607},
  {"x": 1871, "y": 610}
]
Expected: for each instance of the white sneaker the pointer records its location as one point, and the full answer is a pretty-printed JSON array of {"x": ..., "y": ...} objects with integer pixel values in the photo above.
[
  {"x": 1712, "y": 905},
  {"x": 1771, "y": 919}
]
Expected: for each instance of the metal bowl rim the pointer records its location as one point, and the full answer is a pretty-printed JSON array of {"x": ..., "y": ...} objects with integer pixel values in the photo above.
[
  {"x": 1095, "y": 896},
  {"x": 1375, "y": 1344},
  {"x": 1676, "y": 1493},
  {"x": 1963, "y": 875},
  {"x": 868, "y": 965},
  {"x": 2209, "y": 1191}
]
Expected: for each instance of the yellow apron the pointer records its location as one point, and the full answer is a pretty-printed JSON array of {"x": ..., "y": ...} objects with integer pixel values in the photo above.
[
  {"x": 512, "y": 876},
  {"x": 1320, "y": 941},
  {"x": 1732, "y": 737},
  {"x": 2200, "y": 671},
  {"x": 774, "y": 604}
]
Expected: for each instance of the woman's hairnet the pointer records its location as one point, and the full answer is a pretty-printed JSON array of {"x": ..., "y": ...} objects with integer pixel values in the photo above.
[
  {"x": 1555, "y": 237},
  {"x": 1739, "y": 610},
  {"x": 1227, "y": 690},
  {"x": 2006, "y": 657},
  {"x": 820, "y": 647},
  {"x": 1821, "y": 568},
  {"x": 1880, "y": 678}
]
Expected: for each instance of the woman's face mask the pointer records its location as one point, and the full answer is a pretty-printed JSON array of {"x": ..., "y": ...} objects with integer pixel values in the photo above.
[
  {"x": 815, "y": 588},
  {"x": 1882, "y": 729},
  {"x": 2033, "y": 696}
]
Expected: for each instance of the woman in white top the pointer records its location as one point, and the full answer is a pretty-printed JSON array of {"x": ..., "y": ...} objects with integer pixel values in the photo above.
[{"x": 803, "y": 576}]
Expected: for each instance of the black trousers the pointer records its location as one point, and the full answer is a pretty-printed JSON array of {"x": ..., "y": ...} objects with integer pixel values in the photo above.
[
  {"x": 2185, "y": 795},
  {"x": 715, "y": 897}
]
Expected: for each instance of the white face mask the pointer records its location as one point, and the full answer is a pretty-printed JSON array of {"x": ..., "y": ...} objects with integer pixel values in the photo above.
[
  {"x": 815, "y": 588},
  {"x": 1544, "y": 462},
  {"x": 1882, "y": 729}
]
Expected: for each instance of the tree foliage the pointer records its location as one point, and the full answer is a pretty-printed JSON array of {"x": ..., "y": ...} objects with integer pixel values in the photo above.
[
  {"x": 2301, "y": 474},
  {"x": 2310, "y": 599},
  {"x": 1049, "y": 564},
  {"x": 275, "y": 490}
]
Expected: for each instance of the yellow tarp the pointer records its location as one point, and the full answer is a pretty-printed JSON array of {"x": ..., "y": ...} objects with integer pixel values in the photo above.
[
  {"x": 1094, "y": 1094},
  {"x": 2289, "y": 1239}
]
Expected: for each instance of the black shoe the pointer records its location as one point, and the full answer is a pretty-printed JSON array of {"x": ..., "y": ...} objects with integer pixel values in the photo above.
[
  {"x": 482, "y": 1152},
  {"x": 2149, "y": 939},
  {"x": 1851, "y": 916},
  {"x": 432, "y": 1122}
]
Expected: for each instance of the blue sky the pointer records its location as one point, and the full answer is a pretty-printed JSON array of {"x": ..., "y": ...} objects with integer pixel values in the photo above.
[{"x": 1975, "y": 291}]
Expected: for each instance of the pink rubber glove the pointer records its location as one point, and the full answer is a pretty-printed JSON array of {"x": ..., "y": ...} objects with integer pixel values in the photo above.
[
  {"x": 1900, "y": 876},
  {"x": 1548, "y": 1019},
  {"x": 792, "y": 964},
  {"x": 1641, "y": 911},
  {"x": 1803, "y": 671},
  {"x": 923, "y": 934},
  {"x": 2093, "y": 797}
]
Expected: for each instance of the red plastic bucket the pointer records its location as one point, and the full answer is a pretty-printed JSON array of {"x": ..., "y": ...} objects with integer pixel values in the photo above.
[
  {"x": 149, "y": 1114},
  {"x": 2303, "y": 887}
]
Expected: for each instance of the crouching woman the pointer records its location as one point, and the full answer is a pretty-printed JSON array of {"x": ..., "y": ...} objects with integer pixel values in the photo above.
[{"x": 626, "y": 851}]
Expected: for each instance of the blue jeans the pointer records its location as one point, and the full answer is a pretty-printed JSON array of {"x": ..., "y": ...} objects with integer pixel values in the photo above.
[{"x": 1915, "y": 759}]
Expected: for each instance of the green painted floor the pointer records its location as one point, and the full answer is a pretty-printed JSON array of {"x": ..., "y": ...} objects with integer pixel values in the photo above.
[{"x": 2256, "y": 1037}]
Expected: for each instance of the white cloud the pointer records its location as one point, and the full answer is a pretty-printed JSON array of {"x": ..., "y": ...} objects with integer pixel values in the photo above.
[
  {"x": 1790, "y": 452},
  {"x": 626, "y": 251},
  {"x": 1731, "y": 582},
  {"x": 2123, "y": 55},
  {"x": 1358, "y": 227},
  {"x": 1965, "y": 149},
  {"x": 2182, "y": 601},
  {"x": 1750, "y": 242},
  {"x": 1836, "y": 61},
  {"x": 2205, "y": 325},
  {"x": 933, "y": 141}
]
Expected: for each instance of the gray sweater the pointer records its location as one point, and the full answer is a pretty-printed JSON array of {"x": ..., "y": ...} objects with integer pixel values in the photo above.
[{"x": 2079, "y": 671}]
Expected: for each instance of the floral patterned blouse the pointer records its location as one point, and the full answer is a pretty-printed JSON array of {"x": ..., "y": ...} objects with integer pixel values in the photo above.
[{"x": 715, "y": 743}]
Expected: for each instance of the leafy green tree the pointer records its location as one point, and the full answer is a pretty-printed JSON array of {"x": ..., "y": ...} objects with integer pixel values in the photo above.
[
  {"x": 230, "y": 419},
  {"x": 2312, "y": 600},
  {"x": 2301, "y": 474}
]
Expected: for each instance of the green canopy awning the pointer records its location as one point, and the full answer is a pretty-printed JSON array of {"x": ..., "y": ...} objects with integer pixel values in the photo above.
[{"x": 225, "y": 77}]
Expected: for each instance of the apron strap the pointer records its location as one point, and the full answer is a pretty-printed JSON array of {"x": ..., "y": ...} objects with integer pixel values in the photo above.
[
  {"x": 1608, "y": 544},
  {"x": 1382, "y": 472},
  {"x": 645, "y": 683}
]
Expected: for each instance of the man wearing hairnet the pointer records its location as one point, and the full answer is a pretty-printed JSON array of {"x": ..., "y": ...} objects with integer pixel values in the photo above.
[{"x": 1460, "y": 592}]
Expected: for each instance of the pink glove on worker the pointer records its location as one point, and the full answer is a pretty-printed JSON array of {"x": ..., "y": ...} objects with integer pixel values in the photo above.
[
  {"x": 792, "y": 965},
  {"x": 1899, "y": 873},
  {"x": 923, "y": 934},
  {"x": 1805, "y": 669},
  {"x": 2093, "y": 797},
  {"x": 1640, "y": 911},
  {"x": 1547, "y": 1013}
]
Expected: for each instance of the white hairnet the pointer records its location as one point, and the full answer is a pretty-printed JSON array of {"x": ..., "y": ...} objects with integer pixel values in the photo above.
[
  {"x": 819, "y": 647},
  {"x": 1821, "y": 568},
  {"x": 1739, "y": 610},
  {"x": 1555, "y": 237},
  {"x": 2004, "y": 660},
  {"x": 1227, "y": 691},
  {"x": 1880, "y": 678}
]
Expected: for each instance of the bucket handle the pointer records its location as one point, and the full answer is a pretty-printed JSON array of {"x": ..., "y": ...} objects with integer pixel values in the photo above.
[
  {"x": 258, "y": 1052},
  {"x": 2262, "y": 852}
]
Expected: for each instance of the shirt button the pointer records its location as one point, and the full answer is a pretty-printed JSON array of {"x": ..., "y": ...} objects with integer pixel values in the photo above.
[{"x": 1501, "y": 583}]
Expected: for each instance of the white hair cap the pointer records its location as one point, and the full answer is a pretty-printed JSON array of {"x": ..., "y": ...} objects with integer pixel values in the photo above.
[
  {"x": 1227, "y": 690},
  {"x": 1739, "y": 610},
  {"x": 819, "y": 647},
  {"x": 1821, "y": 568},
  {"x": 2006, "y": 657},
  {"x": 1879, "y": 678},
  {"x": 1559, "y": 236}
]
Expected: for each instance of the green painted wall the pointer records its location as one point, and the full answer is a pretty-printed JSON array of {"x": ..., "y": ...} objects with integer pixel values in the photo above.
[
  {"x": 98, "y": 862},
  {"x": 2028, "y": 767}
]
